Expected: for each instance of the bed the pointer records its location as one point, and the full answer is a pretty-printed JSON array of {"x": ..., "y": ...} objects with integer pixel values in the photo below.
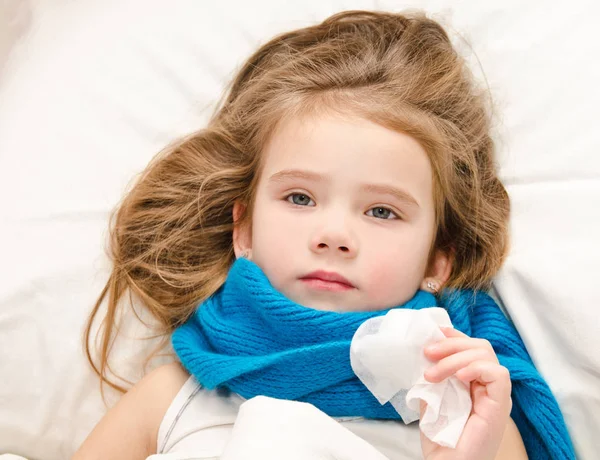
[{"x": 90, "y": 90}]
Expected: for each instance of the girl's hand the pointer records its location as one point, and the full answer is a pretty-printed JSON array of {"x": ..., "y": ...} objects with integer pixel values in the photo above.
[{"x": 474, "y": 362}]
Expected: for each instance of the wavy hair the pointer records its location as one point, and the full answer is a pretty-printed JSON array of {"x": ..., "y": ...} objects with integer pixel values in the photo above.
[{"x": 171, "y": 235}]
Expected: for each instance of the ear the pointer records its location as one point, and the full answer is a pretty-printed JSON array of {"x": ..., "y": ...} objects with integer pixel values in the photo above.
[
  {"x": 242, "y": 234},
  {"x": 438, "y": 272}
]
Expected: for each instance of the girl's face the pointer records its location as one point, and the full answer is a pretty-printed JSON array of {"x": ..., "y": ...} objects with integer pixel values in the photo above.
[{"x": 343, "y": 196}]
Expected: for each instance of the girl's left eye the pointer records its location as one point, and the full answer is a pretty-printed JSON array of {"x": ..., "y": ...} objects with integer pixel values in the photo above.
[
  {"x": 299, "y": 199},
  {"x": 382, "y": 213}
]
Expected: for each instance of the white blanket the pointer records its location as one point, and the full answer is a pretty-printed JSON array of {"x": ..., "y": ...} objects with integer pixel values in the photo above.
[{"x": 272, "y": 429}]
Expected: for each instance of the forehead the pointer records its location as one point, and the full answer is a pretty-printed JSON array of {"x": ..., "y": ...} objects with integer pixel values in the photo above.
[{"x": 348, "y": 150}]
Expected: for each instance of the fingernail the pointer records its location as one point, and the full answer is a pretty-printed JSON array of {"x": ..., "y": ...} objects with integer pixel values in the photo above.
[{"x": 430, "y": 373}]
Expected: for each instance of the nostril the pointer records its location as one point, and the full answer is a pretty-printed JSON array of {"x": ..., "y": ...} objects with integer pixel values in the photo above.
[
  {"x": 344, "y": 249},
  {"x": 322, "y": 245}
]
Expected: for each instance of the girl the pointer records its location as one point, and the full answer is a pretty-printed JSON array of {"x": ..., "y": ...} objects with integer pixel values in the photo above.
[{"x": 350, "y": 170}]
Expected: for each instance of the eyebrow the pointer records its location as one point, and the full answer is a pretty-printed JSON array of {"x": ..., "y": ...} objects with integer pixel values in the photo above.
[{"x": 398, "y": 193}]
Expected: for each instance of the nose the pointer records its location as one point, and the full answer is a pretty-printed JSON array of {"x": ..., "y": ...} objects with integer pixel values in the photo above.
[{"x": 334, "y": 241}]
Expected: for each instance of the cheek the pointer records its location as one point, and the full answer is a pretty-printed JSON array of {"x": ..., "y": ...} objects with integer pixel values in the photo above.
[
  {"x": 394, "y": 276},
  {"x": 382, "y": 277},
  {"x": 389, "y": 284},
  {"x": 272, "y": 231},
  {"x": 275, "y": 240}
]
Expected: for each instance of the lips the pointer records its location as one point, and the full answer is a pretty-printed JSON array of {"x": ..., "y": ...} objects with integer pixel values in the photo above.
[{"x": 331, "y": 277}]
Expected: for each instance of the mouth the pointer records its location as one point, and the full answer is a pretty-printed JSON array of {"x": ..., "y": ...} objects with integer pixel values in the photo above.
[{"x": 327, "y": 281}]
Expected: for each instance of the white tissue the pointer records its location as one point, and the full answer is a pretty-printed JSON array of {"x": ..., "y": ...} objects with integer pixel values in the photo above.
[{"x": 386, "y": 354}]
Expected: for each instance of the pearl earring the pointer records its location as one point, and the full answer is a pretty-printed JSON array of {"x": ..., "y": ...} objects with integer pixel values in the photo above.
[{"x": 433, "y": 286}]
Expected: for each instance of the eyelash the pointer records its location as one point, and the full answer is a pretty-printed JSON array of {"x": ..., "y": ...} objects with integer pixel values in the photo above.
[{"x": 287, "y": 198}]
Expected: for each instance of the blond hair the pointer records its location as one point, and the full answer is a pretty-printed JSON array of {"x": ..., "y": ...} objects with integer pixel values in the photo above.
[{"x": 171, "y": 236}]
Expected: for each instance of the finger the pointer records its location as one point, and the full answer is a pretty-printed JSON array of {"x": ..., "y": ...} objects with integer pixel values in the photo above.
[
  {"x": 453, "y": 363},
  {"x": 449, "y": 346},
  {"x": 495, "y": 377},
  {"x": 478, "y": 390},
  {"x": 451, "y": 332}
]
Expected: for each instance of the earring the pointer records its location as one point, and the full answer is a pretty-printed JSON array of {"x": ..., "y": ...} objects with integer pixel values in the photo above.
[
  {"x": 433, "y": 286},
  {"x": 245, "y": 255}
]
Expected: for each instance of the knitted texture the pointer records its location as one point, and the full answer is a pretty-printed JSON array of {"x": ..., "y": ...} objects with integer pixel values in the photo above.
[{"x": 251, "y": 339}]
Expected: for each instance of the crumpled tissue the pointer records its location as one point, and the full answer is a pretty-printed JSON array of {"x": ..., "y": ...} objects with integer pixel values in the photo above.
[{"x": 386, "y": 354}]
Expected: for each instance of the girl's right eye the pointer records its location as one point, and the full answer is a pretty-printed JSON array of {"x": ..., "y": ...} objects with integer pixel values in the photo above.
[{"x": 299, "y": 199}]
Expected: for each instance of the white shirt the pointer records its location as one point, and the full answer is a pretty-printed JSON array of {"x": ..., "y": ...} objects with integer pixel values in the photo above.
[{"x": 198, "y": 425}]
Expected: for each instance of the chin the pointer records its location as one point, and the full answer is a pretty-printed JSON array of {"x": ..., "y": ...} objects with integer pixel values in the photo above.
[
  {"x": 329, "y": 302},
  {"x": 342, "y": 308},
  {"x": 327, "y": 305},
  {"x": 321, "y": 307},
  {"x": 318, "y": 304}
]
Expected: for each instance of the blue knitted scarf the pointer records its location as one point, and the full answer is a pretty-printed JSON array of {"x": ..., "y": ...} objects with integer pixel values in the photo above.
[{"x": 251, "y": 339}]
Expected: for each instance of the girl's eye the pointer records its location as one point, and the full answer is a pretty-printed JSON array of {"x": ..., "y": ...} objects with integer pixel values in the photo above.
[
  {"x": 299, "y": 199},
  {"x": 382, "y": 213}
]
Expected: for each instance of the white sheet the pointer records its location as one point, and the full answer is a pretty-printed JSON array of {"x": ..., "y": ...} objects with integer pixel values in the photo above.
[
  {"x": 272, "y": 429},
  {"x": 90, "y": 90}
]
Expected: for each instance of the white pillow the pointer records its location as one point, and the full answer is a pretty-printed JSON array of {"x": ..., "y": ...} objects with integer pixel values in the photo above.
[{"x": 93, "y": 89}]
